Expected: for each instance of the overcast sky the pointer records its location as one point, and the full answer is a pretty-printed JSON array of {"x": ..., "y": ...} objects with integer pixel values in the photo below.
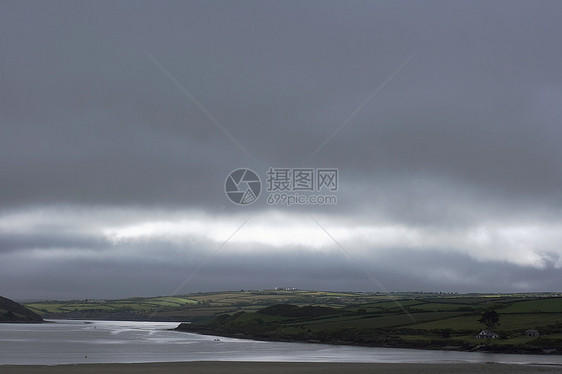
[{"x": 120, "y": 121}]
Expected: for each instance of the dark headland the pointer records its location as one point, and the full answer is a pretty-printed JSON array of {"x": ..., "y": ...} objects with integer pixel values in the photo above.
[{"x": 10, "y": 311}]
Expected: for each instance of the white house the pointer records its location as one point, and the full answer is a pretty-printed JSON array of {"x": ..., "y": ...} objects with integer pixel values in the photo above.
[
  {"x": 487, "y": 334},
  {"x": 532, "y": 333}
]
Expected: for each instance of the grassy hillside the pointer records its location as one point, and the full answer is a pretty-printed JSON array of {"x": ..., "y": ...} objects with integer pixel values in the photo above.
[
  {"x": 199, "y": 306},
  {"x": 202, "y": 306},
  {"x": 10, "y": 311},
  {"x": 425, "y": 321}
]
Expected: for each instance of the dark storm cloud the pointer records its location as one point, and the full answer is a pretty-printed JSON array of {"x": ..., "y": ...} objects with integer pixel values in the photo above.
[
  {"x": 10, "y": 242},
  {"x": 467, "y": 133},
  {"x": 88, "y": 117}
]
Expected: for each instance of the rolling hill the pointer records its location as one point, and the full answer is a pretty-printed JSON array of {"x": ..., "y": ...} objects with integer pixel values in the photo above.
[{"x": 10, "y": 311}]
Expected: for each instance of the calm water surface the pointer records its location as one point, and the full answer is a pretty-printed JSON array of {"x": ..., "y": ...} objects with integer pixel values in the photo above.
[{"x": 68, "y": 342}]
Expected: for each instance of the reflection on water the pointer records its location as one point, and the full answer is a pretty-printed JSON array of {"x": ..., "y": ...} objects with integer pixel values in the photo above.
[{"x": 66, "y": 342}]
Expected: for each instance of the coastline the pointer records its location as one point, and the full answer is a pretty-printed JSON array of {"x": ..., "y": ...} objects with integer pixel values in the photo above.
[
  {"x": 235, "y": 367},
  {"x": 194, "y": 329}
]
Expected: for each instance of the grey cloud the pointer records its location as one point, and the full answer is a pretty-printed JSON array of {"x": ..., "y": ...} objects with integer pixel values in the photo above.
[
  {"x": 467, "y": 133},
  {"x": 10, "y": 242},
  {"x": 419, "y": 271}
]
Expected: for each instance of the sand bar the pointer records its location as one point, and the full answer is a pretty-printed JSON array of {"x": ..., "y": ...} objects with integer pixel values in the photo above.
[{"x": 277, "y": 368}]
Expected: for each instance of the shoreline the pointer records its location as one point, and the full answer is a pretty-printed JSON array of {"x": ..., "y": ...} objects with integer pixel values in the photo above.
[
  {"x": 194, "y": 329},
  {"x": 243, "y": 367}
]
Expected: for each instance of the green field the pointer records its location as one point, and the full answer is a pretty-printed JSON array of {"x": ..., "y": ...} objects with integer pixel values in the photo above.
[
  {"x": 214, "y": 303},
  {"x": 400, "y": 319},
  {"x": 201, "y": 305}
]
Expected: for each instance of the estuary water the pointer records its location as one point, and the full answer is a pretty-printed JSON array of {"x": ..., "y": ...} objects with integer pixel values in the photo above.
[{"x": 73, "y": 341}]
